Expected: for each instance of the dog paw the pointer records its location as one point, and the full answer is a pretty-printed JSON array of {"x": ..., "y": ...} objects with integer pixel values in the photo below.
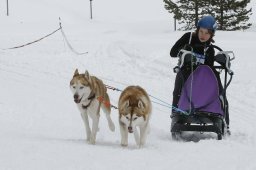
[
  {"x": 124, "y": 144},
  {"x": 141, "y": 145},
  {"x": 92, "y": 142}
]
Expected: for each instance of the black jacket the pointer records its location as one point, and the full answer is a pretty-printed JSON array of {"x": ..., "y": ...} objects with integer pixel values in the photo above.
[{"x": 197, "y": 45}]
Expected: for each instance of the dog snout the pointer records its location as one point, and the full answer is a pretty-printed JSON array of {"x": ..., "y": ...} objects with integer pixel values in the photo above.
[
  {"x": 130, "y": 129},
  {"x": 76, "y": 98}
]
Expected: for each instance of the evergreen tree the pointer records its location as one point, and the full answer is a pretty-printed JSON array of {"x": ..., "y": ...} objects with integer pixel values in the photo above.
[
  {"x": 172, "y": 8},
  {"x": 187, "y": 12},
  {"x": 230, "y": 14}
]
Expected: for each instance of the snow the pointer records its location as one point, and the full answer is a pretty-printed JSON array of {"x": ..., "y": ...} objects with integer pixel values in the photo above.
[{"x": 128, "y": 43}]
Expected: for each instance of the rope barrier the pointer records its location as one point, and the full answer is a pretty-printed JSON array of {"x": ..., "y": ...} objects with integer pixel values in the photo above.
[
  {"x": 62, "y": 33},
  {"x": 67, "y": 42},
  {"x": 33, "y": 41}
]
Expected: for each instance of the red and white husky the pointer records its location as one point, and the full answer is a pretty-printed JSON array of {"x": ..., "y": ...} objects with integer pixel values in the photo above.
[{"x": 134, "y": 111}]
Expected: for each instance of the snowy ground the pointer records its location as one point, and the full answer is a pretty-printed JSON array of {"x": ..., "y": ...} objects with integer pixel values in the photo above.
[{"x": 40, "y": 126}]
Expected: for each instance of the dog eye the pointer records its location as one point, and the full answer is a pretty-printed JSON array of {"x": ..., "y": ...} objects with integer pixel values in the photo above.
[
  {"x": 135, "y": 118},
  {"x": 74, "y": 87},
  {"x": 81, "y": 87},
  {"x": 127, "y": 118}
]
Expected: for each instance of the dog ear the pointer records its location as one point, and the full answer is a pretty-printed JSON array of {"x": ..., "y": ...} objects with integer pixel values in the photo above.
[
  {"x": 126, "y": 104},
  {"x": 140, "y": 104},
  {"x": 87, "y": 75},
  {"x": 76, "y": 73}
]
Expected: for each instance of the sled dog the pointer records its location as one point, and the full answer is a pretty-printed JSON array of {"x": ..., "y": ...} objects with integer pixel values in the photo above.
[
  {"x": 90, "y": 94},
  {"x": 134, "y": 108}
]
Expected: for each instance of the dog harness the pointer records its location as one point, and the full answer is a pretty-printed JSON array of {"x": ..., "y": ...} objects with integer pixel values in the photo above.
[
  {"x": 106, "y": 103},
  {"x": 90, "y": 98},
  {"x": 100, "y": 99}
]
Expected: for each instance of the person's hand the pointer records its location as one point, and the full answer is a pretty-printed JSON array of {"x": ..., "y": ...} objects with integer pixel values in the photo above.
[{"x": 187, "y": 47}]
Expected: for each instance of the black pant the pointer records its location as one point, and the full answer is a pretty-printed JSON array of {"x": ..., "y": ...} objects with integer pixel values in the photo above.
[{"x": 180, "y": 79}]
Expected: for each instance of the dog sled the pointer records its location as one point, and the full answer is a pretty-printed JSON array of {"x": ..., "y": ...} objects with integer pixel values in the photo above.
[{"x": 203, "y": 106}]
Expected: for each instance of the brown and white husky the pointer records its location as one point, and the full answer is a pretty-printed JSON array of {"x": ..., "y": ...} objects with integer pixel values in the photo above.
[
  {"x": 134, "y": 111},
  {"x": 90, "y": 94}
]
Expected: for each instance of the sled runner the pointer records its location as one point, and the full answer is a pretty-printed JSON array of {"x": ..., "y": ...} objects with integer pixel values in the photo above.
[{"x": 203, "y": 106}]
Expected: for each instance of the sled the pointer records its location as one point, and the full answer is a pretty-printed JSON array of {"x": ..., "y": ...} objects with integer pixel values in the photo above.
[{"x": 202, "y": 106}]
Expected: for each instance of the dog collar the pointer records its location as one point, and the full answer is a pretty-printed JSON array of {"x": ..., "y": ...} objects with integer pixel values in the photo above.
[{"x": 90, "y": 98}]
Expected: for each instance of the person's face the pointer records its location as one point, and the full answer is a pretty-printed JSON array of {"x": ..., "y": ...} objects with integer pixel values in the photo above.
[{"x": 203, "y": 34}]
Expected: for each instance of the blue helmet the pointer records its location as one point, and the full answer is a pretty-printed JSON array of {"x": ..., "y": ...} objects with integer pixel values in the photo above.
[{"x": 207, "y": 22}]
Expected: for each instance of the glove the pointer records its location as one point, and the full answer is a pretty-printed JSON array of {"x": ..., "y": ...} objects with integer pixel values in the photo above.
[{"x": 187, "y": 47}]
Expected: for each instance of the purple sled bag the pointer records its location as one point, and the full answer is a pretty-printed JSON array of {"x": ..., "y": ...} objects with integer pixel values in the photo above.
[{"x": 203, "y": 90}]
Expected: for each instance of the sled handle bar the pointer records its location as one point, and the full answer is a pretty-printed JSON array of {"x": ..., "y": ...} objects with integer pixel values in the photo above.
[
  {"x": 227, "y": 56},
  {"x": 227, "y": 62},
  {"x": 182, "y": 54},
  {"x": 224, "y": 59},
  {"x": 204, "y": 45}
]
